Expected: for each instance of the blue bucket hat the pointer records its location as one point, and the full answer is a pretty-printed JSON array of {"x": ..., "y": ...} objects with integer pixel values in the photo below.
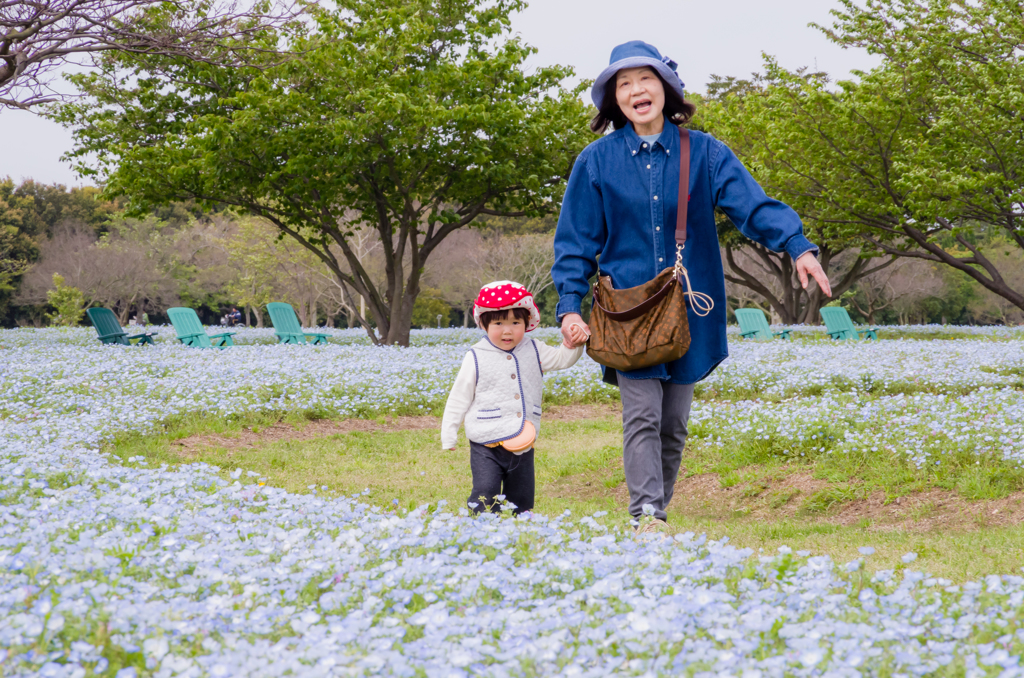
[{"x": 633, "y": 54}]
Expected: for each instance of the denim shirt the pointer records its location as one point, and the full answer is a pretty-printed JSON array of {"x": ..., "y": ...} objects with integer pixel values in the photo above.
[{"x": 620, "y": 204}]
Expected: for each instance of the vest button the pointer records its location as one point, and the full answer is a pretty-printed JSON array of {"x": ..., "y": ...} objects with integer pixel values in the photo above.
[
  {"x": 513, "y": 376},
  {"x": 508, "y": 357},
  {"x": 516, "y": 396},
  {"x": 519, "y": 414}
]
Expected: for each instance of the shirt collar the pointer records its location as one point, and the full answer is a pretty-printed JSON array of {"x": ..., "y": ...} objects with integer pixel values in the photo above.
[{"x": 669, "y": 139}]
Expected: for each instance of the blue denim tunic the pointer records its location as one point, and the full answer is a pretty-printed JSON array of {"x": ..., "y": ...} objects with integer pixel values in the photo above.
[{"x": 620, "y": 204}]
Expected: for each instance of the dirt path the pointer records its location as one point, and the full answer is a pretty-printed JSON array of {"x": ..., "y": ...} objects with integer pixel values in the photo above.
[
  {"x": 762, "y": 500},
  {"x": 781, "y": 498},
  {"x": 322, "y": 428}
]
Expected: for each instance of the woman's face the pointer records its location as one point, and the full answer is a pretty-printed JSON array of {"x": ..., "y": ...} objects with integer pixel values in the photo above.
[{"x": 640, "y": 95}]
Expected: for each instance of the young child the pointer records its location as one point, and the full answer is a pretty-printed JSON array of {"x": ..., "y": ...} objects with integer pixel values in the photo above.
[{"x": 498, "y": 393}]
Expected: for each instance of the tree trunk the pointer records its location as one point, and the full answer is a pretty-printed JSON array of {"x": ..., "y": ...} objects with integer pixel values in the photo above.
[
  {"x": 259, "y": 316},
  {"x": 794, "y": 305},
  {"x": 247, "y": 324}
]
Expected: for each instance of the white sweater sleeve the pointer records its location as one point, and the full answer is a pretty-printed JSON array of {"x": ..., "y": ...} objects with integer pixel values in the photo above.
[
  {"x": 560, "y": 358},
  {"x": 459, "y": 400}
]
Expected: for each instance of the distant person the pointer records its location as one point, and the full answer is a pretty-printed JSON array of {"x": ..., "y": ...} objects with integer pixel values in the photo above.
[
  {"x": 620, "y": 205},
  {"x": 235, "y": 317},
  {"x": 498, "y": 393}
]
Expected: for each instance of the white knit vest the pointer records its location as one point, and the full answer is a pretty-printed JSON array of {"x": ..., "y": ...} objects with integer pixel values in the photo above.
[{"x": 509, "y": 389}]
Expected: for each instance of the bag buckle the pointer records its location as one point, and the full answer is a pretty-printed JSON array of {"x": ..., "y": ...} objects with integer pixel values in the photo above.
[{"x": 679, "y": 259}]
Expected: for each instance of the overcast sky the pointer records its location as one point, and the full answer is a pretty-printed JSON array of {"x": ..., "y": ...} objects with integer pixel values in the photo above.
[{"x": 724, "y": 37}]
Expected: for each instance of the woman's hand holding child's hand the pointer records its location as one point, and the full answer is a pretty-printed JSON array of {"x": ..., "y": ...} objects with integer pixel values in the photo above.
[{"x": 577, "y": 335}]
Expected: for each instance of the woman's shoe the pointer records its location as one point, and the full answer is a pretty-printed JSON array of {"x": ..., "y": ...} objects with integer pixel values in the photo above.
[{"x": 652, "y": 525}]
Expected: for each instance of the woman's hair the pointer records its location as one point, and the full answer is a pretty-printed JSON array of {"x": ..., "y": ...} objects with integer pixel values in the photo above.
[
  {"x": 488, "y": 317},
  {"x": 678, "y": 110}
]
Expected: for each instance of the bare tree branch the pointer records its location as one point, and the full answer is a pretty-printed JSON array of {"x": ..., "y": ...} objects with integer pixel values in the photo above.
[{"x": 38, "y": 38}]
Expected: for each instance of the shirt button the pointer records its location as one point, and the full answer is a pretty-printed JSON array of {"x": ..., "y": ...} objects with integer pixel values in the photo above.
[
  {"x": 648, "y": 167},
  {"x": 661, "y": 259},
  {"x": 516, "y": 396},
  {"x": 645, "y": 145},
  {"x": 508, "y": 357},
  {"x": 513, "y": 376},
  {"x": 657, "y": 228},
  {"x": 655, "y": 197}
]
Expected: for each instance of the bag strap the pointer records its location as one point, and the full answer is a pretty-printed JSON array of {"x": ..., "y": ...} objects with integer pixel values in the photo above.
[
  {"x": 684, "y": 186},
  {"x": 638, "y": 310}
]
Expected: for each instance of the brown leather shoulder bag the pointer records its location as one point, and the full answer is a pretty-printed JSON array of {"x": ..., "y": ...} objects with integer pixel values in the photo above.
[{"x": 647, "y": 325}]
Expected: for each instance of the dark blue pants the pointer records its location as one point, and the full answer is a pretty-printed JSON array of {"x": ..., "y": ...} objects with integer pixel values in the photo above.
[{"x": 498, "y": 471}]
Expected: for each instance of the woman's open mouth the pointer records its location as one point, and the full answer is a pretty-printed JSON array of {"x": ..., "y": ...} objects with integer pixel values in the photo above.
[{"x": 642, "y": 106}]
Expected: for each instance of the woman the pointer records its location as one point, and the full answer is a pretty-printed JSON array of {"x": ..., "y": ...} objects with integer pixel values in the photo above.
[{"x": 620, "y": 204}]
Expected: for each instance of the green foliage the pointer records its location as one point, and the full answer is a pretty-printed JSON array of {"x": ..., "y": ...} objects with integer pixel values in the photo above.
[
  {"x": 67, "y": 301},
  {"x": 37, "y": 208},
  {"x": 428, "y": 307},
  {"x": 408, "y": 116},
  {"x": 920, "y": 155}
]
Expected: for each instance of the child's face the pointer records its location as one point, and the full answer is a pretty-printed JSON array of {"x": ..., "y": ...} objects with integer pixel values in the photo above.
[{"x": 507, "y": 332}]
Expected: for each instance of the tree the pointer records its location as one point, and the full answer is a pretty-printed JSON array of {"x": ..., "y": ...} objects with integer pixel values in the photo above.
[
  {"x": 905, "y": 283},
  {"x": 526, "y": 259},
  {"x": 467, "y": 260},
  {"x": 730, "y": 112},
  {"x": 455, "y": 271},
  {"x": 252, "y": 253},
  {"x": 772, "y": 275},
  {"x": 39, "y": 37},
  {"x": 17, "y": 250},
  {"x": 67, "y": 301},
  {"x": 408, "y": 116},
  {"x": 139, "y": 264},
  {"x": 987, "y": 307},
  {"x": 430, "y": 310},
  {"x": 920, "y": 157},
  {"x": 44, "y": 206}
]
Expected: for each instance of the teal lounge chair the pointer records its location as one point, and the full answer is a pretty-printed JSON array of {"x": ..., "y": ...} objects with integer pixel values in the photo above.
[
  {"x": 191, "y": 332},
  {"x": 839, "y": 325},
  {"x": 287, "y": 328},
  {"x": 109, "y": 330},
  {"x": 753, "y": 325}
]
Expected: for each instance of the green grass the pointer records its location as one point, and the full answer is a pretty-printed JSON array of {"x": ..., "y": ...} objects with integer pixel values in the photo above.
[{"x": 579, "y": 468}]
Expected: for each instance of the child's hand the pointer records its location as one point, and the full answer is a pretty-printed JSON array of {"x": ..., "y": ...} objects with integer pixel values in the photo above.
[{"x": 578, "y": 335}]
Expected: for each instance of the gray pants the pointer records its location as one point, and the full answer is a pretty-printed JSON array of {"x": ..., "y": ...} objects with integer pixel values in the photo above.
[{"x": 654, "y": 417}]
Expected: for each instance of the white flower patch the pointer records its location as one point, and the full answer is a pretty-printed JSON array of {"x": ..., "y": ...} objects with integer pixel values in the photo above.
[{"x": 140, "y": 571}]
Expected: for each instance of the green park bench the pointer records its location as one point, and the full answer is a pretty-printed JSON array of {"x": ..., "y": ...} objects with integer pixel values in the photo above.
[
  {"x": 109, "y": 330},
  {"x": 191, "y": 332},
  {"x": 839, "y": 326},
  {"x": 287, "y": 328},
  {"x": 753, "y": 325}
]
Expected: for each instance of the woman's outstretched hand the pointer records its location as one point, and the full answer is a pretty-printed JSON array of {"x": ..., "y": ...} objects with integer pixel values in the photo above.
[
  {"x": 575, "y": 332},
  {"x": 806, "y": 264}
]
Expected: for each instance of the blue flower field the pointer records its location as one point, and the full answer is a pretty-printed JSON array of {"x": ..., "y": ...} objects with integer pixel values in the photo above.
[{"x": 131, "y": 570}]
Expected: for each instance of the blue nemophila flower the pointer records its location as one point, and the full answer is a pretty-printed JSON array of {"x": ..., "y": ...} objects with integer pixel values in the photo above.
[
  {"x": 866, "y": 550},
  {"x": 909, "y": 557},
  {"x": 195, "y": 573}
]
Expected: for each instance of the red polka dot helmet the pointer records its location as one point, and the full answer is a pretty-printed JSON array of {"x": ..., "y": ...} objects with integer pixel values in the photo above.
[{"x": 503, "y": 295}]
